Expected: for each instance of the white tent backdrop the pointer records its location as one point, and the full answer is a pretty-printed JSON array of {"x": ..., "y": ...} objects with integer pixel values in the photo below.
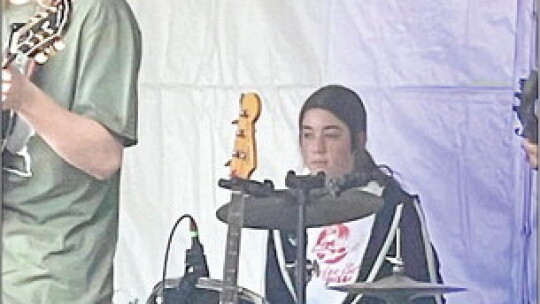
[{"x": 437, "y": 78}]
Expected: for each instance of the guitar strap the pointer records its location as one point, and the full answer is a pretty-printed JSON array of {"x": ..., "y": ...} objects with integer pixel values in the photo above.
[
  {"x": 18, "y": 163},
  {"x": 22, "y": 131}
]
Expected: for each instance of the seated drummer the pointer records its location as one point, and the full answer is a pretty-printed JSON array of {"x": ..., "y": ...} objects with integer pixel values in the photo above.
[{"x": 332, "y": 139}]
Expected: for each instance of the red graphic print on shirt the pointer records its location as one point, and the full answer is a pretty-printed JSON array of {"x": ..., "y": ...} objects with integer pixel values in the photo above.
[{"x": 331, "y": 244}]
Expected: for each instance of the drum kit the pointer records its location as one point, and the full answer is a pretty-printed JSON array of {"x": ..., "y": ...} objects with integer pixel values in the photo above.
[{"x": 309, "y": 203}]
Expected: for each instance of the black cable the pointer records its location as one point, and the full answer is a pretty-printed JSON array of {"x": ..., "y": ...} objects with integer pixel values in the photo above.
[{"x": 168, "y": 248}]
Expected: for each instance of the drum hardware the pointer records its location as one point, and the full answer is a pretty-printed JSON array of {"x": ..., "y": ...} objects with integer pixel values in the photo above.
[
  {"x": 396, "y": 288},
  {"x": 213, "y": 288},
  {"x": 307, "y": 203},
  {"x": 301, "y": 184},
  {"x": 312, "y": 269},
  {"x": 203, "y": 290},
  {"x": 277, "y": 209},
  {"x": 251, "y": 187}
]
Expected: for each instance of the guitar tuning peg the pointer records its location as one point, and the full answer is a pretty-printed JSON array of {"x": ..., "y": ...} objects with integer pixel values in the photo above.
[
  {"x": 41, "y": 15},
  {"x": 59, "y": 45},
  {"x": 50, "y": 51},
  {"x": 239, "y": 155},
  {"x": 40, "y": 58},
  {"x": 37, "y": 38}
]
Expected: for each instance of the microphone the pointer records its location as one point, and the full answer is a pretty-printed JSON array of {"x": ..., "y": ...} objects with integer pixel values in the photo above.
[
  {"x": 195, "y": 257},
  {"x": 181, "y": 291}
]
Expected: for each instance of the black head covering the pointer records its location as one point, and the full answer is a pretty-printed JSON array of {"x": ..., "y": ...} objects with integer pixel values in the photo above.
[{"x": 344, "y": 103}]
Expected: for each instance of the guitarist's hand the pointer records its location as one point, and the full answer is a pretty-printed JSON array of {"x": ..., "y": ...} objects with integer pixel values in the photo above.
[
  {"x": 81, "y": 141},
  {"x": 531, "y": 151},
  {"x": 17, "y": 89}
]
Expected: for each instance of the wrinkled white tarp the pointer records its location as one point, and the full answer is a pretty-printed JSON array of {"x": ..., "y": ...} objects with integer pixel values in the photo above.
[{"x": 437, "y": 78}]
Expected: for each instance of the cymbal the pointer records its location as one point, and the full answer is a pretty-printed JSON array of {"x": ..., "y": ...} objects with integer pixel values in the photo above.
[
  {"x": 396, "y": 288},
  {"x": 280, "y": 210}
]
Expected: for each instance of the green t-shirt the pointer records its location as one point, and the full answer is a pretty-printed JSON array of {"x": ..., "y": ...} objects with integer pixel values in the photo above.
[{"x": 60, "y": 225}]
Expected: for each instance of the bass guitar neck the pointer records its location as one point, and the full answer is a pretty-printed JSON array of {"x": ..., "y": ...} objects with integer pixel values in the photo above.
[
  {"x": 229, "y": 294},
  {"x": 242, "y": 164}
]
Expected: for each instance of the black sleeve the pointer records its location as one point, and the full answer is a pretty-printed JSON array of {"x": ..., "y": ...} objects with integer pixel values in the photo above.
[{"x": 276, "y": 291}]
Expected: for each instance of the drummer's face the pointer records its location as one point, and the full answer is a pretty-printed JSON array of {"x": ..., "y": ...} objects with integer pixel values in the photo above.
[{"x": 325, "y": 143}]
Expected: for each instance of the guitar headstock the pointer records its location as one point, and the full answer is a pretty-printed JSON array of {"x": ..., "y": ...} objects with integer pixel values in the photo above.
[
  {"x": 244, "y": 158},
  {"x": 41, "y": 36}
]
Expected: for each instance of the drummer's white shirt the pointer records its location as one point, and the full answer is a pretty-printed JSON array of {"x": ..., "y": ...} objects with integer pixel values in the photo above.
[{"x": 338, "y": 250}]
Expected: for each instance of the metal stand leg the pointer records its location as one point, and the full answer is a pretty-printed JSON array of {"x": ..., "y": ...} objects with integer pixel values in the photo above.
[
  {"x": 302, "y": 185},
  {"x": 300, "y": 270}
]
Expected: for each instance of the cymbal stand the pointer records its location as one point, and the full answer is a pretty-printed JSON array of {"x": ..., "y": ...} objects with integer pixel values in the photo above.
[
  {"x": 301, "y": 184},
  {"x": 398, "y": 274},
  {"x": 398, "y": 269}
]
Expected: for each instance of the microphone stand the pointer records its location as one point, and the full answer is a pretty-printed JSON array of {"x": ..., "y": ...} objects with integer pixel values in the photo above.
[{"x": 301, "y": 185}]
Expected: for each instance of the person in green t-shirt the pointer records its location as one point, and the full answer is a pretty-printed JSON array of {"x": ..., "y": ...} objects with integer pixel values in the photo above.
[{"x": 60, "y": 211}]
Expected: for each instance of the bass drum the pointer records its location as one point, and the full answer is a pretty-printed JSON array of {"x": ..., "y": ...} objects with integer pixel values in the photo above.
[
  {"x": 211, "y": 289},
  {"x": 205, "y": 291}
]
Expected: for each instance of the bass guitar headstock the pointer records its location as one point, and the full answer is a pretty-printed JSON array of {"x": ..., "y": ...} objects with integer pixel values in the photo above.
[
  {"x": 244, "y": 157},
  {"x": 41, "y": 36}
]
